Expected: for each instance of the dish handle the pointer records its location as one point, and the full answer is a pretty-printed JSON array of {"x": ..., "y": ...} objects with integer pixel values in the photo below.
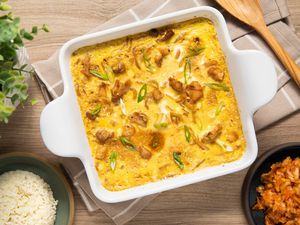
[
  {"x": 255, "y": 82},
  {"x": 60, "y": 130}
]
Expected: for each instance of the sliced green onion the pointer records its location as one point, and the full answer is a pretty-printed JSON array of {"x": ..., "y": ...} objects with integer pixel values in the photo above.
[
  {"x": 147, "y": 63},
  {"x": 110, "y": 73},
  {"x": 199, "y": 124},
  {"x": 177, "y": 160},
  {"x": 102, "y": 76},
  {"x": 217, "y": 86},
  {"x": 187, "y": 66},
  {"x": 194, "y": 52},
  {"x": 155, "y": 142},
  {"x": 187, "y": 133},
  {"x": 161, "y": 125},
  {"x": 219, "y": 108},
  {"x": 123, "y": 107},
  {"x": 142, "y": 93},
  {"x": 95, "y": 111},
  {"x": 128, "y": 144},
  {"x": 113, "y": 160}
]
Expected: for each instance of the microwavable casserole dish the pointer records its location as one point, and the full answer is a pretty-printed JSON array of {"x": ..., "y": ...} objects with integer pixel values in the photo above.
[{"x": 252, "y": 76}]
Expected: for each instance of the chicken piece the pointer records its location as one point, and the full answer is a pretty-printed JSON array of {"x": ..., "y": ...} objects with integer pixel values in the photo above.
[
  {"x": 215, "y": 73},
  {"x": 175, "y": 118},
  {"x": 210, "y": 63},
  {"x": 154, "y": 32},
  {"x": 103, "y": 136},
  {"x": 77, "y": 89},
  {"x": 119, "y": 68},
  {"x": 128, "y": 130},
  {"x": 135, "y": 53},
  {"x": 103, "y": 90},
  {"x": 164, "y": 51},
  {"x": 212, "y": 135},
  {"x": 157, "y": 141},
  {"x": 180, "y": 37},
  {"x": 144, "y": 153},
  {"x": 90, "y": 116},
  {"x": 194, "y": 92},
  {"x": 139, "y": 118},
  {"x": 157, "y": 95},
  {"x": 86, "y": 66},
  {"x": 167, "y": 36},
  {"x": 232, "y": 137},
  {"x": 119, "y": 90},
  {"x": 158, "y": 59},
  {"x": 176, "y": 85}
]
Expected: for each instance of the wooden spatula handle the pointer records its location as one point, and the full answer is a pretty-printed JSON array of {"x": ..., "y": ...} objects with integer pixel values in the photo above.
[{"x": 284, "y": 57}]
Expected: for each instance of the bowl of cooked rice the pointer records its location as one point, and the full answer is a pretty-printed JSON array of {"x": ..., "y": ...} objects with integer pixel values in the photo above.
[
  {"x": 271, "y": 189},
  {"x": 32, "y": 191}
]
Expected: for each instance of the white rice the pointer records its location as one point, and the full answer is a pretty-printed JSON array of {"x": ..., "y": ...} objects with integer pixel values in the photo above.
[{"x": 25, "y": 199}]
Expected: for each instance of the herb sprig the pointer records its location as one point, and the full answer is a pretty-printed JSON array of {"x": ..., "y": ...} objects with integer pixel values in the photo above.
[{"x": 13, "y": 88}]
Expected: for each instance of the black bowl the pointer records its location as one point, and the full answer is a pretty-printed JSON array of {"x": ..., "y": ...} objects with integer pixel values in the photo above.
[{"x": 252, "y": 179}]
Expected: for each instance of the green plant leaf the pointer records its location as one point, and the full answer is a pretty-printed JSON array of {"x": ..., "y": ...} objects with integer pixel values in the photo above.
[
  {"x": 45, "y": 28},
  {"x": 4, "y": 6},
  {"x": 33, "y": 101},
  {"x": 28, "y": 36},
  {"x": 13, "y": 89},
  {"x": 34, "y": 30},
  {"x": 8, "y": 30}
]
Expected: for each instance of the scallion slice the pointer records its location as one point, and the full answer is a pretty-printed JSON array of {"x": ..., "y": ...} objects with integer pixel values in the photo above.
[
  {"x": 187, "y": 70},
  {"x": 177, "y": 160},
  {"x": 102, "y": 76},
  {"x": 217, "y": 86},
  {"x": 219, "y": 108},
  {"x": 113, "y": 160},
  {"x": 128, "y": 144},
  {"x": 142, "y": 93},
  {"x": 187, "y": 133}
]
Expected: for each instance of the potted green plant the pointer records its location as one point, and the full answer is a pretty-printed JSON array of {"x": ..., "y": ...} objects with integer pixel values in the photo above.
[{"x": 14, "y": 72}]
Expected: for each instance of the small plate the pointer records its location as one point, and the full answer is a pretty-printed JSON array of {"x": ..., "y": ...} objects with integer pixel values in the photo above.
[
  {"x": 51, "y": 175},
  {"x": 252, "y": 179}
]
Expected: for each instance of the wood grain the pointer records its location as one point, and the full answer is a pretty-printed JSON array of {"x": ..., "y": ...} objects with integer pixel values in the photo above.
[
  {"x": 250, "y": 12},
  {"x": 213, "y": 202}
]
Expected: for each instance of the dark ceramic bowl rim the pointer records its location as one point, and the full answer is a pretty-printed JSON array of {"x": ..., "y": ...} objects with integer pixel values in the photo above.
[
  {"x": 251, "y": 172},
  {"x": 56, "y": 170}
]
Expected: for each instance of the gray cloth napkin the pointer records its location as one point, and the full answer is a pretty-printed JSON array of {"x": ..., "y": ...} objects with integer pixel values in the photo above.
[{"x": 286, "y": 101}]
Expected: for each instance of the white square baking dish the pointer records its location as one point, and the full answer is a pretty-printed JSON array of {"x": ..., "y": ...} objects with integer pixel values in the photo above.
[{"x": 253, "y": 78}]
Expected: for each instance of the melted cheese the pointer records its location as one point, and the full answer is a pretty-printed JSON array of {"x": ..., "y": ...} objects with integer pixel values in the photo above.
[{"x": 131, "y": 169}]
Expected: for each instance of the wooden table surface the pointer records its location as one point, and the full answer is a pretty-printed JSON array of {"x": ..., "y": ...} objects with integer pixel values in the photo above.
[{"x": 213, "y": 202}]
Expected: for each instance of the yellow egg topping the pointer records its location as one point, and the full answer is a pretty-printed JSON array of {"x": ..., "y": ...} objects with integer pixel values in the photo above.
[{"x": 157, "y": 104}]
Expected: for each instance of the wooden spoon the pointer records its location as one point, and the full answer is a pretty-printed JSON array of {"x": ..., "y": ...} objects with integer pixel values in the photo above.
[{"x": 249, "y": 12}]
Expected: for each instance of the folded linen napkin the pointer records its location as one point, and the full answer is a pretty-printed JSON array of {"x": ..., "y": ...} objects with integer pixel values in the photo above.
[{"x": 286, "y": 101}]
